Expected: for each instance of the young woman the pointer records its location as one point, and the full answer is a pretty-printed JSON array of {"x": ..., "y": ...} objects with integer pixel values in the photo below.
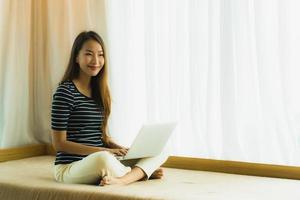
[{"x": 80, "y": 110}]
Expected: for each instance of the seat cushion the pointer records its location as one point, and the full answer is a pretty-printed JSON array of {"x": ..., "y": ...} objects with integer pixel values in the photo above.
[{"x": 32, "y": 178}]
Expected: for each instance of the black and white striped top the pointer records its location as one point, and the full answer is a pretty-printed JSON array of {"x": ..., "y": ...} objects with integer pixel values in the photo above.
[{"x": 80, "y": 116}]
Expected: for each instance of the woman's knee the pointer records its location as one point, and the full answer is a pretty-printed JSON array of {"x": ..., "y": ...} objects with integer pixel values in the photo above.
[
  {"x": 101, "y": 158},
  {"x": 108, "y": 164}
]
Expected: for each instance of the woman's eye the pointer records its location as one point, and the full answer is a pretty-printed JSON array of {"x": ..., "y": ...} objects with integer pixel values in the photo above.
[
  {"x": 100, "y": 55},
  {"x": 88, "y": 54}
]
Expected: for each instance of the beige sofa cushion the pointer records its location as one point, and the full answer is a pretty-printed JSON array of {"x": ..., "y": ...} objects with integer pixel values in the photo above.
[{"x": 32, "y": 178}]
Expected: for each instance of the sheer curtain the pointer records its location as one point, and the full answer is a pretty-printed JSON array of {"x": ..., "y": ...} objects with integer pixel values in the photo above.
[
  {"x": 227, "y": 71},
  {"x": 35, "y": 43}
]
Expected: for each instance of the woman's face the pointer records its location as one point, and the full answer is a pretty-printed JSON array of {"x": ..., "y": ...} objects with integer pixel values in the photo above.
[{"x": 90, "y": 58}]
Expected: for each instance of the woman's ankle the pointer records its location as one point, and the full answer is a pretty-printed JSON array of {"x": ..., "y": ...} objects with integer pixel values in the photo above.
[{"x": 134, "y": 175}]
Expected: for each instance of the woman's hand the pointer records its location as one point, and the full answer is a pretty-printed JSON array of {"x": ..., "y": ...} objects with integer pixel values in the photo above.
[
  {"x": 126, "y": 148},
  {"x": 119, "y": 152}
]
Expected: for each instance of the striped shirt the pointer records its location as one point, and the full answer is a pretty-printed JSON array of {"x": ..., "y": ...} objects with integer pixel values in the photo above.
[{"x": 79, "y": 116}]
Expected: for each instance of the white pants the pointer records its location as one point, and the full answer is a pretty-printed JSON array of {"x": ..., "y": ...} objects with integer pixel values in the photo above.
[{"x": 92, "y": 168}]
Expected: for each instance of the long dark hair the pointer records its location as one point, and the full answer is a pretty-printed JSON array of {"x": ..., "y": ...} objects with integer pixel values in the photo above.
[{"x": 99, "y": 83}]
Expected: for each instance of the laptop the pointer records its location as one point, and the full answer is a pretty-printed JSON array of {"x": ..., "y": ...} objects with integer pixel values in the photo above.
[{"x": 150, "y": 141}]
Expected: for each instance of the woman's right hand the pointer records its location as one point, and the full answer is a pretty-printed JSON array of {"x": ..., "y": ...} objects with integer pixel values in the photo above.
[{"x": 118, "y": 152}]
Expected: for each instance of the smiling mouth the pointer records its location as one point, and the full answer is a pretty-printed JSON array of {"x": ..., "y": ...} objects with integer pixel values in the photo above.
[{"x": 94, "y": 67}]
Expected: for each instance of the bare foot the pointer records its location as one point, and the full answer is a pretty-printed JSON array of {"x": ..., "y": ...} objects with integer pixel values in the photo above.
[
  {"x": 109, "y": 180},
  {"x": 157, "y": 174}
]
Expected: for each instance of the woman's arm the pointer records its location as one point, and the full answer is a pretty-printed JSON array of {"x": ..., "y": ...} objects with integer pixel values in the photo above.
[
  {"x": 112, "y": 144},
  {"x": 60, "y": 143}
]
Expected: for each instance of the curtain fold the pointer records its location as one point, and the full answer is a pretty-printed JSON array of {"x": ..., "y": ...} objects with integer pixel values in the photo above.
[{"x": 15, "y": 48}]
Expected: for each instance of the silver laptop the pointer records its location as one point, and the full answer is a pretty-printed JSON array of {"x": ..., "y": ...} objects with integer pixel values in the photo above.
[{"x": 150, "y": 141}]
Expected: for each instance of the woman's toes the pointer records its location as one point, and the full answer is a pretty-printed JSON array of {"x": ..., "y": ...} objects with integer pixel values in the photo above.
[
  {"x": 103, "y": 181},
  {"x": 157, "y": 174},
  {"x": 109, "y": 180}
]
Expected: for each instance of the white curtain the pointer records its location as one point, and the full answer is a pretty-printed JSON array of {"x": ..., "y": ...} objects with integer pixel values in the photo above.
[
  {"x": 35, "y": 43},
  {"x": 227, "y": 71}
]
